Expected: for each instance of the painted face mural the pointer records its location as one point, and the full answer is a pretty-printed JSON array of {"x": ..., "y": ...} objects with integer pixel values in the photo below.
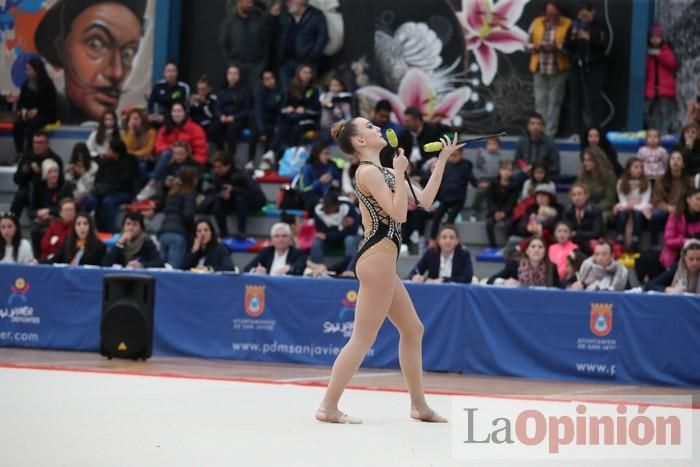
[{"x": 98, "y": 52}]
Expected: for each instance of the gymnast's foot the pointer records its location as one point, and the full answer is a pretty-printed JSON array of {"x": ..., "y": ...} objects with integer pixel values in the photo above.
[
  {"x": 426, "y": 414},
  {"x": 336, "y": 416}
]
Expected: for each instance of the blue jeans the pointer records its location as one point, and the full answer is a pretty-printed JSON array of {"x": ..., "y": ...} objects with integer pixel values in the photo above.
[
  {"x": 636, "y": 221},
  {"x": 318, "y": 246},
  {"x": 145, "y": 170},
  {"x": 162, "y": 166},
  {"x": 172, "y": 248},
  {"x": 106, "y": 208}
]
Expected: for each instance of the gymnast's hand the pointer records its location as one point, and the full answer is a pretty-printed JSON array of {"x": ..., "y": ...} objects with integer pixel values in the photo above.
[
  {"x": 448, "y": 147},
  {"x": 400, "y": 163}
]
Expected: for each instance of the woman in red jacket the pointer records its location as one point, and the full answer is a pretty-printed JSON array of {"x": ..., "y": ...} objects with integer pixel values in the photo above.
[
  {"x": 178, "y": 127},
  {"x": 660, "y": 89},
  {"x": 58, "y": 230}
]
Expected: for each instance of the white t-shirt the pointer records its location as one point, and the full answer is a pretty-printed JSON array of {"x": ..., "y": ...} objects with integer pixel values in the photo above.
[
  {"x": 24, "y": 255},
  {"x": 446, "y": 265},
  {"x": 278, "y": 262},
  {"x": 96, "y": 149}
]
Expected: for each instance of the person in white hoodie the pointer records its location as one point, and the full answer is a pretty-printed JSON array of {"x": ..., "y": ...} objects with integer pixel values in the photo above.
[
  {"x": 13, "y": 248},
  {"x": 99, "y": 139},
  {"x": 81, "y": 172},
  {"x": 634, "y": 195},
  {"x": 601, "y": 271},
  {"x": 337, "y": 225}
]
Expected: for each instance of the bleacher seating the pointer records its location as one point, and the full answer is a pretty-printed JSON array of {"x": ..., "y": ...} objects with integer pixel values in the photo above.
[{"x": 472, "y": 233}]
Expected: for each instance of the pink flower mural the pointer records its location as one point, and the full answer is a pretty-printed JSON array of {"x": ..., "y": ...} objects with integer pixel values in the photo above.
[
  {"x": 415, "y": 91},
  {"x": 489, "y": 28}
]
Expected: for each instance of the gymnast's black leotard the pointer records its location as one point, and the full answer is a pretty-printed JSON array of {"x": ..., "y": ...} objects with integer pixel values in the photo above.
[{"x": 382, "y": 233}]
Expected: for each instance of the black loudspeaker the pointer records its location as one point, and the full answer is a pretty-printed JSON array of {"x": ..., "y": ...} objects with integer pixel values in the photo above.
[{"x": 126, "y": 329}]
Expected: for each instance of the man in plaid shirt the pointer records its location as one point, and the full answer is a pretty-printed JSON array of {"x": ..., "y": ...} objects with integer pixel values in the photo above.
[{"x": 549, "y": 63}]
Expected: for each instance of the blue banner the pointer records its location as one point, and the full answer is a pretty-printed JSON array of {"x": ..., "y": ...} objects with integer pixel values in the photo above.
[
  {"x": 50, "y": 308},
  {"x": 660, "y": 336},
  {"x": 547, "y": 334},
  {"x": 540, "y": 334},
  {"x": 289, "y": 320}
]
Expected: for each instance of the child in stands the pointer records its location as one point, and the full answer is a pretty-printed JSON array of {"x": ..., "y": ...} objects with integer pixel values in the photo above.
[
  {"x": 486, "y": 170},
  {"x": 501, "y": 196},
  {"x": 336, "y": 106},
  {"x": 653, "y": 155},
  {"x": 559, "y": 251},
  {"x": 634, "y": 194}
]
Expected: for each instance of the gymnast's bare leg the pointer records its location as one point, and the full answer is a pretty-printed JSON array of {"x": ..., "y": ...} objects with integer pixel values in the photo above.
[
  {"x": 376, "y": 274},
  {"x": 381, "y": 293},
  {"x": 403, "y": 315}
]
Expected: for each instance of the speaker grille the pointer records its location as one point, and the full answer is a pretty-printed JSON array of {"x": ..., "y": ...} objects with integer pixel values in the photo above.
[{"x": 125, "y": 329}]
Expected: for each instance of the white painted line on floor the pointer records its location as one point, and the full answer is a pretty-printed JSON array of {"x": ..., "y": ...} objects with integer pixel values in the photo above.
[{"x": 316, "y": 378}]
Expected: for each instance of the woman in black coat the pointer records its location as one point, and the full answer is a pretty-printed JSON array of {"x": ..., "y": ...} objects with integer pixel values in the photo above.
[
  {"x": 448, "y": 262},
  {"x": 36, "y": 107},
  {"x": 232, "y": 113},
  {"x": 82, "y": 247},
  {"x": 207, "y": 253},
  {"x": 300, "y": 112}
]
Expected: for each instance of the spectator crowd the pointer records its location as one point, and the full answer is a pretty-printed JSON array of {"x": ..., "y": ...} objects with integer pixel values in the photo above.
[{"x": 164, "y": 181}]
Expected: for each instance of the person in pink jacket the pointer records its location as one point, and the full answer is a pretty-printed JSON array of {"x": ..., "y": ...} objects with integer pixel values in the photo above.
[
  {"x": 559, "y": 252},
  {"x": 660, "y": 88},
  {"x": 680, "y": 227},
  {"x": 178, "y": 127}
]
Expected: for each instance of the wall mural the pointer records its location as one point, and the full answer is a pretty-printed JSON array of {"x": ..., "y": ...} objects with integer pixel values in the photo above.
[
  {"x": 98, "y": 53},
  {"x": 459, "y": 91},
  {"x": 681, "y": 22},
  {"x": 462, "y": 61},
  {"x": 472, "y": 52}
]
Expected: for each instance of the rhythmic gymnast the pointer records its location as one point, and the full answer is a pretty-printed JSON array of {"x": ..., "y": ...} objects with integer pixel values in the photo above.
[{"x": 383, "y": 195}]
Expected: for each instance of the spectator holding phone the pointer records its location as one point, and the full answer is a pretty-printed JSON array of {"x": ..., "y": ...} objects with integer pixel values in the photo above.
[{"x": 236, "y": 192}]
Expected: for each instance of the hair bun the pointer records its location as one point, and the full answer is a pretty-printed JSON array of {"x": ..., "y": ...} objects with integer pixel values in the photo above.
[{"x": 336, "y": 129}]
